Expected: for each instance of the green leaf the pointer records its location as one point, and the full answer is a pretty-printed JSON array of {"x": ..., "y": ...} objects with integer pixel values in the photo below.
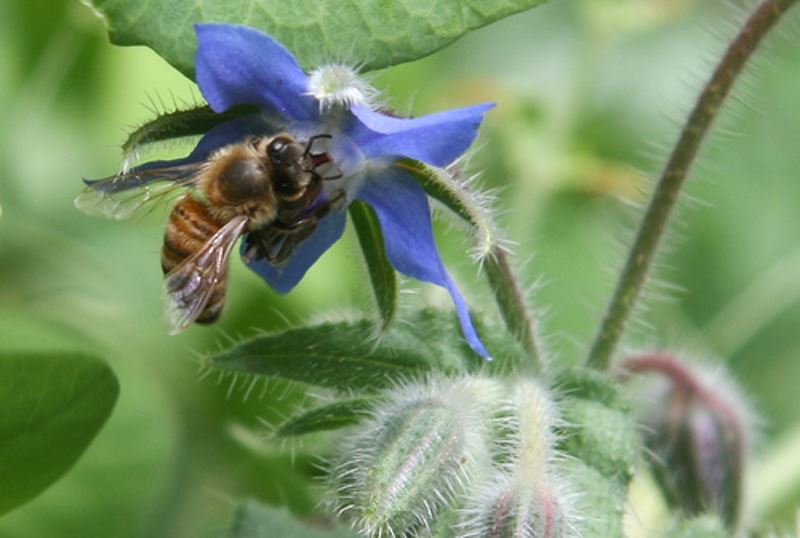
[
  {"x": 347, "y": 355},
  {"x": 180, "y": 123},
  {"x": 602, "y": 440},
  {"x": 372, "y": 33},
  {"x": 606, "y": 439},
  {"x": 254, "y": 520},
  {"x": 381, "y": 272},
  {"x": 51, "y": 407},
  {"x": 329, "y": 417}
]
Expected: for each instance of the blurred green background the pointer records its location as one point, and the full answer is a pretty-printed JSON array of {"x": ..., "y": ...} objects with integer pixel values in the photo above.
[{"x": 590, "y": 96}]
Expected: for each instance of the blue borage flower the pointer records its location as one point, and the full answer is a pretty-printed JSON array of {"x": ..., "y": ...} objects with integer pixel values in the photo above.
[{"x": 237, "y": 65}]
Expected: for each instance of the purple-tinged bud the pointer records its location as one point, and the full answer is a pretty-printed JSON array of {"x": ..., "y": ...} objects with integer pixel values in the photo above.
[
  {"x": 508, "y": 506},
  {"x": 695, "y": 427}
]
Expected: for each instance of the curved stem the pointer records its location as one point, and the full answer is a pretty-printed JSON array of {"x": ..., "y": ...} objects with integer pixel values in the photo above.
[
  {"x": 513, "y": 307},
  {"x": 637, "y": 267}
]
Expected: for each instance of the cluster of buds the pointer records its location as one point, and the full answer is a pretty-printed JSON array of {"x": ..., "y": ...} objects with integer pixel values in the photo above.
[{"x": 472, "y": 454}]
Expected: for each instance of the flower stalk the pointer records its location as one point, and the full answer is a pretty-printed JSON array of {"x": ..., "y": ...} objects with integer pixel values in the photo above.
[
  {"x": 634, "y": 274},
  {"x": 511, "y": 301}
]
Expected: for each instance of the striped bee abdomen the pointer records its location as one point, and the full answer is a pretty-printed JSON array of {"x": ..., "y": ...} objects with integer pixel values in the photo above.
[{"x": 189, "y": 227}]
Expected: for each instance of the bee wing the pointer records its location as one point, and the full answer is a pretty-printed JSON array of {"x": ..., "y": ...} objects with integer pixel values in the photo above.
[
  {"x": 189, "y": 286},
  {"x": 119, "y": 197}
]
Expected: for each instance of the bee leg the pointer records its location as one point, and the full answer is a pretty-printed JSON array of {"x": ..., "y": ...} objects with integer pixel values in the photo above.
[
  {"x": 260, "y": 243},
  {"x": 334, "y": 176},
  {"x": 293, "y": 225},
  {"x": 292, "y": 238},
  {"x": 287, "y": 236},
  {"x": 325, "y": 207},
  {"x": 319, "y": 211},
  {"x": 277, "y": 243},
  {"x": 280, "y": 245},
  {"x": 250, "y": 254},
  {"x": 279, "y": 258},
  {"x": 280, "y": 248},
  {"x": 277, "y": 255}
]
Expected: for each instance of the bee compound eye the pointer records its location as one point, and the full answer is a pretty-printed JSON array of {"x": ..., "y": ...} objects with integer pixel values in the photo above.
[{"x": 276, "y": 149}]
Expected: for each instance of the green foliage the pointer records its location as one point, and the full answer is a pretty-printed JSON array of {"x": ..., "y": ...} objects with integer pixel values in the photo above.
[
  {"x": 351, "y": 355},
  {"x": 255, "y": 520},
  {"x": 602, "y": 439},
  {"x": 329, "y": 417},
  {"x": 381, "y": 272},
  {"x": 52, "y": 406},
  {"x": 181, "y": 122},
  {"x": 373, "y": 33},
  {"x": 344, "y": 355},
  {"x": 559, "y": 148},
  {"x": 601, "y": 500},
  {"x": 601, "y": 429}
]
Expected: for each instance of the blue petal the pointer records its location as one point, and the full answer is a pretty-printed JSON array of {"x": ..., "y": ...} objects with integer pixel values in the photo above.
[
  {"x": 282, "y": 279},
  {"x": 237, "y": 65},
  {"x": 402, "y": 209},
  {"x": 437, "y": 139}
]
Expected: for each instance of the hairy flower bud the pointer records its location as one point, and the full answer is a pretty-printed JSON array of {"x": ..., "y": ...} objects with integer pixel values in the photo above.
[
  {"x": 509, "y": 506},
  {"x": 695, "y": 428},
  {"x": 415, "y": 455},
  {"x": 524, "y": 496}
]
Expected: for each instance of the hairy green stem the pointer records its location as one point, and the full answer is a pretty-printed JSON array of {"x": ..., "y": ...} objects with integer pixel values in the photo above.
[
  {"x": 511, "y": 303},
  {"x": 637, "y": 267}
]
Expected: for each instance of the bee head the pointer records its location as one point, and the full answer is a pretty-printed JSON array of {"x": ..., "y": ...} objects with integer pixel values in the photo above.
[{"x": 288, "y": 161}]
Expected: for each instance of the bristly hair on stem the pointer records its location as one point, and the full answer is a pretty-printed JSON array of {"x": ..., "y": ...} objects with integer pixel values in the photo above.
[
  {"x": 490, "y": 250},
  {"x": 177, "y": 123},
  {"x": 668, "y": 189},
  {"x": 511, "y": 301}
]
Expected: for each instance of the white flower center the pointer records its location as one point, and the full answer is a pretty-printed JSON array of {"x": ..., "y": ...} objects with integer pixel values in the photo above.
[{"x": 339, "y": 85}]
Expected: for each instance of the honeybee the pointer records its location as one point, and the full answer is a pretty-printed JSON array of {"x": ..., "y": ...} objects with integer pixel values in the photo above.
[{"x": 267, "y": 187}]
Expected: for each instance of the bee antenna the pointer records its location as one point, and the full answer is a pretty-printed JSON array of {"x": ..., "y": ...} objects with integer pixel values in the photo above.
[{"x": 313, "y": 139}]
